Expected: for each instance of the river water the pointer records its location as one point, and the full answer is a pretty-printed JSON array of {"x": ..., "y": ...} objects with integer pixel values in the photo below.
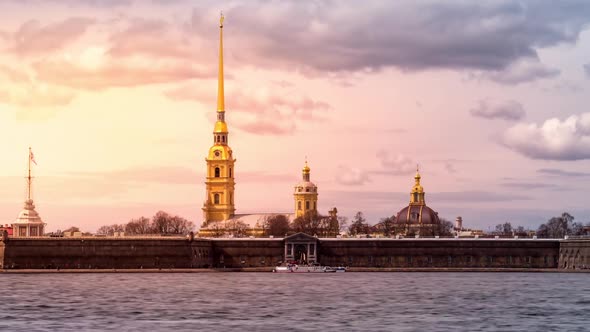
[{"x": 295, "y": 302}]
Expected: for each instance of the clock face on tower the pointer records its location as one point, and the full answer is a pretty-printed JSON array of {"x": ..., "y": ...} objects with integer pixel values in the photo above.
[{"x": 217, "y": 153}]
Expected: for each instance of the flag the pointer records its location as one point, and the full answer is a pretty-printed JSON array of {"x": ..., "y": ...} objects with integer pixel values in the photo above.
[{"x": 32, "y": 156}]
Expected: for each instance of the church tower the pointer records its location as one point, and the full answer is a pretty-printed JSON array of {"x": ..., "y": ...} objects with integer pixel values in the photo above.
[
  {"x": 306, "y": 194},
  {"x": 219, "y": 203}
]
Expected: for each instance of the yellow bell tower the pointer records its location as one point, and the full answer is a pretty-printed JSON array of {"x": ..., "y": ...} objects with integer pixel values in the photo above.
[
  {"x": 219, "y": 203},
  {"x": 306, "y": 194}
]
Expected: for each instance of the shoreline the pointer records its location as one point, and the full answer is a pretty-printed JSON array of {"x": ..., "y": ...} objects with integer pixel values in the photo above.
[{"x": 269, "y": 269}]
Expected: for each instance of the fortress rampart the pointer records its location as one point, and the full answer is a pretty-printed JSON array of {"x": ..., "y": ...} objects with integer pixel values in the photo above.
[{"x": 179, "y": 252}]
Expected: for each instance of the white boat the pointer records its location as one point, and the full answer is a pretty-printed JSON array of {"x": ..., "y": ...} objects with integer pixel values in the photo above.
[{"x": 294, "y": 268}]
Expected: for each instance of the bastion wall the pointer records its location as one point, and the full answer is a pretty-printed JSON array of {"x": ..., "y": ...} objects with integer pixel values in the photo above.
[
  {"x": 178, "y": 252},
  {"x": 574, "y": 254}
]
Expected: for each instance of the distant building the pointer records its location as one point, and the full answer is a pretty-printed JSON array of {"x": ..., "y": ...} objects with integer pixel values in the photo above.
[
  {"x": 306, "y": 194},
  {"x": 417, "y": 218},
  {"x": 29, "y": 222}
]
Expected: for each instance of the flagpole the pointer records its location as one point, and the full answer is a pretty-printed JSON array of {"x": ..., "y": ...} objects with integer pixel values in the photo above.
[{"x": 29, "y": 177}]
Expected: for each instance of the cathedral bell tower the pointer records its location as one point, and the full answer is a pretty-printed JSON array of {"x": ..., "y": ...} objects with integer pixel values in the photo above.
[
  {"x": 306, "y": 194},
  {"x": 219, "y": 203}
]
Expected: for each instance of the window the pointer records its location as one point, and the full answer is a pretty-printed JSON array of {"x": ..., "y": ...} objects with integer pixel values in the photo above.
[
  {"x": 223, "y": 139},
  {"x": 299, "y": 205},
  {"x": 289, "y": 249},
  {"x": 216, "y": 199},
  {"x": 415, "y": 197},
  {"x": 312, "y": 249},
  {"x": 306, "y": 190},
  {"x": 230, "y": 175},
  {"x": 34, "y": 231},
  {"x": 528, "y": 259},
  {"x": 217, "y": 139},
  {"x": 307, "y": 205},
  {"x": 217, "y": 172}
]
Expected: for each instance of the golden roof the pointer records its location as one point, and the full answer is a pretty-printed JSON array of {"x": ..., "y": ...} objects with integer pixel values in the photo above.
[
  {"x": 220, "y": 127},
  {"x": 220, "y": 152},
  {"x": 306, "y": 168}
]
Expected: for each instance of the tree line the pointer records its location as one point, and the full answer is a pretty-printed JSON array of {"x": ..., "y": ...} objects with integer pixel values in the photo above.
[{"x": 161, "y": 223}]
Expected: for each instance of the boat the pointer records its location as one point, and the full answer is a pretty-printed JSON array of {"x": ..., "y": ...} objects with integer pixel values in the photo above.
[{"x": 295, "y": 268}]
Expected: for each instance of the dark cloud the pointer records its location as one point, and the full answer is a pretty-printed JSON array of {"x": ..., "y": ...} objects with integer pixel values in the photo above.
[
  {"x": 331, "y": 37},
  {"x": 507, "y": 110},
  {"x": 560, "y": 172},
  {"x": 553, "y": 140}
]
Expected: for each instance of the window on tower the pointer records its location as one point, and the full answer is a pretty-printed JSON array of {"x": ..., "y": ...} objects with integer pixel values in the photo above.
[
  {"x": 230, "y": 172},
  {"x": 217, "y": 172},
  {"x": 216, "y": 199},
  {"x": 307, "y": 205},
  {"x": 299, "y": 205},
  {"x": 223, "y": 139}
]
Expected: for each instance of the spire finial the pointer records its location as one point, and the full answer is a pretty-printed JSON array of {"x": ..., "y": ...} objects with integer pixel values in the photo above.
[{"x": 220, "y": 96}]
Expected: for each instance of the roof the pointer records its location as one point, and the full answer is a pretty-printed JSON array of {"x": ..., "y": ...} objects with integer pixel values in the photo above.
[{"x": 254, "y": 220}]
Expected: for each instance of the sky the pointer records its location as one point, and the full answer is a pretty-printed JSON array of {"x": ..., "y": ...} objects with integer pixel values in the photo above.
[{"x": 117, "y": 99}]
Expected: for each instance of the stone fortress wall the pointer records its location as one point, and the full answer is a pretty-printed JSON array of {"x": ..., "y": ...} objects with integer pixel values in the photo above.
[{"x": 177, "y": 252}]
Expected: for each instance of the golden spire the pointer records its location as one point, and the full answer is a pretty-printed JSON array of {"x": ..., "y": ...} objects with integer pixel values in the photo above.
[
  {"x": 220, "y": 97},
  {"x": 417, "y": 176}
]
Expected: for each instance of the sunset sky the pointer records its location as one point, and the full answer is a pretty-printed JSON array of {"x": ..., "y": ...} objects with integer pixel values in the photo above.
[{"x": 117, "y": 99}]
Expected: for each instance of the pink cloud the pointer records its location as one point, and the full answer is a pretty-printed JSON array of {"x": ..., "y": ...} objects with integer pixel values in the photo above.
[
  {"x": 115, "y": 74},
  {"x": 33, "y": 39},
  {"x": 274, "y": 110},
  {"x": 146, "y": 37}
]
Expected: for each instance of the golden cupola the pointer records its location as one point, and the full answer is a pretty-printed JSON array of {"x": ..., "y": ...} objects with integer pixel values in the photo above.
[{"x": 417, "y": 193}]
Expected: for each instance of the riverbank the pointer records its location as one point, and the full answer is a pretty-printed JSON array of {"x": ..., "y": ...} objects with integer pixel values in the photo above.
[{"x": 269, "y": 269}]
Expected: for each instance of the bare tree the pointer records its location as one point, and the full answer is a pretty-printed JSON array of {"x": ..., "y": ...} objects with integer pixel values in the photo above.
[
  {"x": 276, "y": 225},
  {"x": 558, "y": 227},
  {"x": 109, "y": 230},
  {"x": 139, "y": 226}
]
